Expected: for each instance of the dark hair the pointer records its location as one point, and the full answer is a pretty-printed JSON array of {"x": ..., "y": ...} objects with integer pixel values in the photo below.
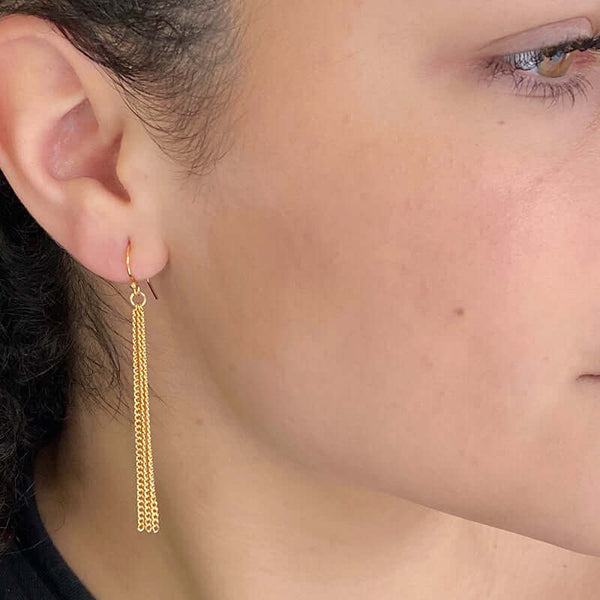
[{"x": 175, "y": 63}]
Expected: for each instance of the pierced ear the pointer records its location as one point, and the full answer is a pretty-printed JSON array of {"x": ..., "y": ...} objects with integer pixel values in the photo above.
[{"x": 61, "y": 133}]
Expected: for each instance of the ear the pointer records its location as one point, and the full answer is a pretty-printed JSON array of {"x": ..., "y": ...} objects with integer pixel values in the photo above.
[{"x": 75, "y": 154}]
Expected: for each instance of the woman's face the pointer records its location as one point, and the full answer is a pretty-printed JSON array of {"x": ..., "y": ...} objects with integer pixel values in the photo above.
[{"x": 398, "y": 272}]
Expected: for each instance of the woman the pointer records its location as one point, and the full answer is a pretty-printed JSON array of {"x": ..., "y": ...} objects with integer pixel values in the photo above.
[{"x": 364, "y": 239}]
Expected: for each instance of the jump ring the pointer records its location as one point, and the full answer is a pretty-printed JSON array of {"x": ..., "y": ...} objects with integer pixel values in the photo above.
[{"x": 137, "y": 303}]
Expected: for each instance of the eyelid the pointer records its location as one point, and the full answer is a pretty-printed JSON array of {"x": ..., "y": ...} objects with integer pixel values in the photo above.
[
  {"x": 551, "y": 34},
  {"x": 546, "y": 88},
  {"x": 452, "y": 59}
]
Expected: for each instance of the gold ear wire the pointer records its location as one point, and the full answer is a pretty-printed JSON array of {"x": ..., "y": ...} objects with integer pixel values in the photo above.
[{"x": 147, "y": 504}]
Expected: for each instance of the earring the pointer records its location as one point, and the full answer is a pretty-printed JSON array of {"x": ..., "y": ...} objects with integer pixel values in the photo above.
[{"x": 147, "y": 505}]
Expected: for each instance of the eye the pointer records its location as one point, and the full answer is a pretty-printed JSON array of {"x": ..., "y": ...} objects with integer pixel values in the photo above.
[
  {"x": 557, "y": 64},
  {"x": 549, "y": 73}
]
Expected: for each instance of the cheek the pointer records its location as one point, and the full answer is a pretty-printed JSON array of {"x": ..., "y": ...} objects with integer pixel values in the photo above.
[
  {"x": 388, "y": 304},
  {"x": 409, "y": 328},
  {"x": 372, "y": 309}
]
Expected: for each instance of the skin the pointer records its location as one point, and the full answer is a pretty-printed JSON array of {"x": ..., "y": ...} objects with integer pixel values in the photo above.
[{"x": 374, "y": 317}]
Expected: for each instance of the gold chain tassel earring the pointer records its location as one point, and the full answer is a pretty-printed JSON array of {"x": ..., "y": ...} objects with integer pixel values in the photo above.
[{"x": 147, "y": 505}]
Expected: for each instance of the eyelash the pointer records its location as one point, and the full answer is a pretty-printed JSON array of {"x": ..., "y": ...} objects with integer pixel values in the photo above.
[{"x": 573, "y": 88}]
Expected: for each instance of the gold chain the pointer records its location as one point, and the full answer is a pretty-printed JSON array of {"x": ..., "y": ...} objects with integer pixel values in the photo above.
[{"x": 147, "y": 505}]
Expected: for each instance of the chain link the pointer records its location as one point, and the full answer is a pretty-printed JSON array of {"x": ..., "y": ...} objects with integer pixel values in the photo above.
[{"x": 147, "y": 504}]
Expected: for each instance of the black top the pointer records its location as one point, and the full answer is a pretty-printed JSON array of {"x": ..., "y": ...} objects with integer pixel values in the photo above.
[{"x": 33, "y": 568}]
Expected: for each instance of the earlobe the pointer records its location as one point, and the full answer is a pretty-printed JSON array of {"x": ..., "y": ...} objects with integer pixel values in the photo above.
[{"x": 61, "y": 128}]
